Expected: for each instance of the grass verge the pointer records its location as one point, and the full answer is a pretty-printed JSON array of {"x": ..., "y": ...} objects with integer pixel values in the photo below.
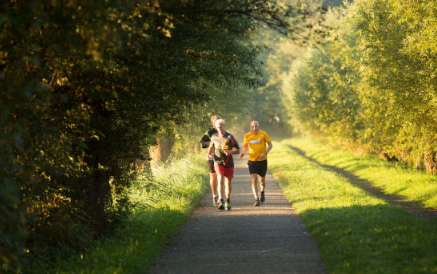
[
  {"x": 163, "y": 204},
  {"x": 391, "y": 177},
  {"x": 356, "y": 232}
]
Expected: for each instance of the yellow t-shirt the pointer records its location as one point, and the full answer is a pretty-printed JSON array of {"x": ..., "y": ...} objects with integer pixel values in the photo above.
[{"x": 257, "y": 144}]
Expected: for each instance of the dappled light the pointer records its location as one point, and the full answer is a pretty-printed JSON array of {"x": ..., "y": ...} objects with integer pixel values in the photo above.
[{"x": 103, "y": 105}]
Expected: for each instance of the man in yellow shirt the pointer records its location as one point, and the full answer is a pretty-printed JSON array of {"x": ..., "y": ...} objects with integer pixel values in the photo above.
[{"x": 259, "y": 144}]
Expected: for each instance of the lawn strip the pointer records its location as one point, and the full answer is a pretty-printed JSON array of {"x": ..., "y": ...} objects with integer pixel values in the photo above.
[
  {"x": 410, "y": 206},
  {"x": 391, "y": 177},
  {"x": 356, "y": 232}
]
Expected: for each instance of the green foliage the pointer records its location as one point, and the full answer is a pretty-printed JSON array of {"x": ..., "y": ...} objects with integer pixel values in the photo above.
[
  {"x": 401, "y": 77},
  {"x": 372, "y": 82},
  {"x": 335, "y": 3},
  {"x": 12, "y": 232},
  {"x": 324, "y": 98},
  {"x": 269, "y": 105},
  {"x": 87, "y": 86},
  {"x": 163, "y": 202}
]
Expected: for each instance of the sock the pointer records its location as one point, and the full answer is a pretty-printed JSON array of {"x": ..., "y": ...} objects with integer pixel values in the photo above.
[{"x": 228, "y": 200}]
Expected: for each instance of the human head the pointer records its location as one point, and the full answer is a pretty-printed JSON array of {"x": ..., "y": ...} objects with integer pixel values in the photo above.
[
  {"x": 213, "y": 119},
  {"x": 220, "y": 126},
  {"x": 254, "y": 127}
]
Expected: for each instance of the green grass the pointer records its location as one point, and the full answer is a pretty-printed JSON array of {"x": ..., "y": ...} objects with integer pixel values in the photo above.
[
  {"x": 162, "y": 208},
  {"x": 392, "y": 177},
  {"x": 355, "y": 231}
]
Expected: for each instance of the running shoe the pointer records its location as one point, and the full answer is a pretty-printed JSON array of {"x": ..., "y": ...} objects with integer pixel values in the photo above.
[
  {"x": 214, "y": 201},
  {"x": 262, "y": 197},
  {"x": 221, "y": 205},
  {"x": 257, "y": 203},
  {"x": 228, "y": 206}
]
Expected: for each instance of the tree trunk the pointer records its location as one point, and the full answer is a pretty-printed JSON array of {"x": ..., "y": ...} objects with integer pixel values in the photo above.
[
  {"x": 98, "y": 192},
  {"x": 430, "y": 161},
  {"x": 142, "y": 163},
  {"x": 98, "y": 199},
  {"x": 162, "y": 151}
]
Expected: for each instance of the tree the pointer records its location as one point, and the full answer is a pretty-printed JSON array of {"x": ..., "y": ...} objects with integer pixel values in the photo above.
[
  {"x": 86, "y": 87},
  {"x": 373, "y": 82}
]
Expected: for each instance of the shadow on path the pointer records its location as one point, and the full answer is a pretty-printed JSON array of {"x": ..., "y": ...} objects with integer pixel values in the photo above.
[
  {"x": 366, "y": 185},
  {"x": 269, "y": 239}
]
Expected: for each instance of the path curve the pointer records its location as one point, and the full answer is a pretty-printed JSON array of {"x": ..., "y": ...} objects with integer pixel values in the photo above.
[{"x": 257, "y": 240}]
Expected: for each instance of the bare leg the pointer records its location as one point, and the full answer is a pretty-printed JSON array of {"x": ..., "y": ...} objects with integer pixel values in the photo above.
[
  {"x": 220, "y": 184},
  {"x": 254, "y": 185},
  {"x": 262, "y": 183},
  {"x": 213, "y": 183},
  {"x": 228, "y": 187},
  {"x": 228, "y": 182}
]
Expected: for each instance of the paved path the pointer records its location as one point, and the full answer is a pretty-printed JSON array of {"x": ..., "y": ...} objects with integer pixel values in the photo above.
[{"x": 267, "y": 239}]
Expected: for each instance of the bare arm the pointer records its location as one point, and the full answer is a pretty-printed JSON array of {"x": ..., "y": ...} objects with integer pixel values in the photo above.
[
  {"x": 269, "y": 147},
  {"x": 229, "y": 151},
  {"x": 210, "y": 149},
  {"x": 244, "y": 151}
]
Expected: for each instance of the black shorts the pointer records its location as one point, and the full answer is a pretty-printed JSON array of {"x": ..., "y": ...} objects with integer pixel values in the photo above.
[
  {"x": 211, "y": 166},
  {"x": 258, "y": 167}
]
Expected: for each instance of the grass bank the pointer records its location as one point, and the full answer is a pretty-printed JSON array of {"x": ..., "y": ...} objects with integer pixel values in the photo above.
[
  {"x": 163, "y": 204},
  {"x": 357, "y": 232},
  {"x": 391, "y": 177}
]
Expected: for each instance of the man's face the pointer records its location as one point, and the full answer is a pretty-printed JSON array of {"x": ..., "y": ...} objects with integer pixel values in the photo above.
[
  {"x": 220, "y": 128},
  {"x": 214, "y": 124},
  {"x": 254, "y": 127}
]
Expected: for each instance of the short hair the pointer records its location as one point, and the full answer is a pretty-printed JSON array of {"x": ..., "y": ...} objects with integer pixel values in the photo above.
[
  {"x": 214, "y": 118},
  {"x": 221, "y": 121},
  {"x": 254, "y": 122}
]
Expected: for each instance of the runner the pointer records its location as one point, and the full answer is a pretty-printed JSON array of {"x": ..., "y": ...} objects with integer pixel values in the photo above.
[
  {"x": 256, "y": 140},
  {"x": 223, "y": 144},
  {"x": 205, "y": 141}
]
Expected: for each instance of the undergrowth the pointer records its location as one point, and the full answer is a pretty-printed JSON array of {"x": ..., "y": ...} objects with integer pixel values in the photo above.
[{"x": 163, "y": 201}]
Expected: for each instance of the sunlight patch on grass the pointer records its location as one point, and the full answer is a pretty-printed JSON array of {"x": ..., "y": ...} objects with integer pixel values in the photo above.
[
  {"x": 355, "y": 232},
  {"x": 392, "y": 177},
  {"x": 164, "y": 203}
]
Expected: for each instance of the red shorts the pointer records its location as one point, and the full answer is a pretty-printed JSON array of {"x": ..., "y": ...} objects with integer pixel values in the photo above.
[{"x": 228, "y": 172}]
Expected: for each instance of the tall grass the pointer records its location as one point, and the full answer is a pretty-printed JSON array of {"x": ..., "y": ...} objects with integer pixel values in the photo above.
[
  {"x": 163, "y": 203},
  {"x": 355, "y": 231}
]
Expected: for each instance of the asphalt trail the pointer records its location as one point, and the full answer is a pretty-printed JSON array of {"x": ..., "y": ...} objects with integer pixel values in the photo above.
[{"x": 257, "y": 240}]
